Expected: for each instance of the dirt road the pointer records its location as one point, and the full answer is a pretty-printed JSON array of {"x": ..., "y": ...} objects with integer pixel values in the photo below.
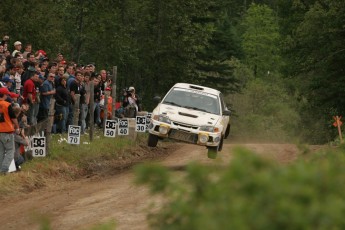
[{"x": 84, "y": 203}]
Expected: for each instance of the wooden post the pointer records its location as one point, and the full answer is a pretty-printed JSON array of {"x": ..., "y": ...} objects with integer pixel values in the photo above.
[
  {"x": 339, "y": 129},
  {"x": 113, "y": 92},
  {"x": 50, "y": 124},
  {"x": 105, "y": 108},
  {"x": 76, "y": 109},
  {"x": 91, "y": 110}
]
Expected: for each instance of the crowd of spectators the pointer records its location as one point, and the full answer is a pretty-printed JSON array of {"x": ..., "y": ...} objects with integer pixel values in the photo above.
[{"x": 33, "y": 78}]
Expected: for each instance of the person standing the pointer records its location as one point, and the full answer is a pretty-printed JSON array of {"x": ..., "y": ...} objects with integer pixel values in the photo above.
[
  {"x": 74, "y": 88},
  {"x": 29, "y": 95},
  {"x": 97, "y": 99},
  {"x": 103, "y": 82},
  {"x": 27, "y": 49},
  {"x": 62, "y": 102},
  {"x": 17, "y": 48},
  {"x": 8, "y": 126},
  {"x": 47, "y": 91},
  {"x": 85, "y": 108}
]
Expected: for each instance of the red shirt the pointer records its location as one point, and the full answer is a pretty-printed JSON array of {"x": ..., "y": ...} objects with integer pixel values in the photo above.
[{"x": 29, "y": 87}]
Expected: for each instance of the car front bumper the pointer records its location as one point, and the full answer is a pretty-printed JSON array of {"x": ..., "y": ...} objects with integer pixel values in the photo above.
[{"x": 184, "y": 133}]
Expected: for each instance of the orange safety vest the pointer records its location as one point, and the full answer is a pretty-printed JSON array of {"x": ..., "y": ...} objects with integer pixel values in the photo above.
[{"x": 6, "y": 125}]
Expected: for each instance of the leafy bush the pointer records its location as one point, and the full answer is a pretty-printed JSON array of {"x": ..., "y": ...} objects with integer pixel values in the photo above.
[{"x": 251, "y": 193}]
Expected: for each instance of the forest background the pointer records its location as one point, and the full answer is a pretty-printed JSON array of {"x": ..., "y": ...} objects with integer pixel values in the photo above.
[{"x": 280, "y": 63}]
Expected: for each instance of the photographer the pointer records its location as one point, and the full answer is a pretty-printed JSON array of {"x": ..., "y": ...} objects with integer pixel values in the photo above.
[{"x": 131, "y": 103}]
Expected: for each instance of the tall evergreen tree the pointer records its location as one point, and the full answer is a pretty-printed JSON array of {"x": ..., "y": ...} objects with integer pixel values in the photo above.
[{"x": 260, "y": 40}]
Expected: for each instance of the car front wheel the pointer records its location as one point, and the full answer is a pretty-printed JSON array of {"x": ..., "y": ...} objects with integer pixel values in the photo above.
[
  {"x": 213, "y": 150},
  {"x": 152, "y": 141}
]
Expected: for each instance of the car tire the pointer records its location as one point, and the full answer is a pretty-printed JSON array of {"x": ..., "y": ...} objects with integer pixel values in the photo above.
[
  {"x": 227, "y": 131},
  {"x": 152, "y": 140},
  {"x": 213, "y": 150}
]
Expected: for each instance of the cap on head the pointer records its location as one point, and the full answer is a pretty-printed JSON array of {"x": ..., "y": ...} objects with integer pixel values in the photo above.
[
  {"x": 131, "y": 88},
  {"x": 17, "y": 43},
  {"x": 4, "y": 90},
  {"x": 13, "y": 95},
  {"x": 7, "y": 79},
  {"x": 42, "y": 52}
]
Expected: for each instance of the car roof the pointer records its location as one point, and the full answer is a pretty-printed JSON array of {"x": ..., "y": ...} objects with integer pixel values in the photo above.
[{"x": 197, "y": 87}]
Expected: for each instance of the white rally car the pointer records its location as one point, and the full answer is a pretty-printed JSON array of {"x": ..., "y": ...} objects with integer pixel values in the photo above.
[{"x": 193, "y": 114}]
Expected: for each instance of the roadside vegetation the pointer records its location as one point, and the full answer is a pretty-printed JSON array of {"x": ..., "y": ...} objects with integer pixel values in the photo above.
[{"x": 251, "y": 193}]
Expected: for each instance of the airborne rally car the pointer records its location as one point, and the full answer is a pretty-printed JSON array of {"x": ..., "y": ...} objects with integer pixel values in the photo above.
[{"x": 193, "y": 114}]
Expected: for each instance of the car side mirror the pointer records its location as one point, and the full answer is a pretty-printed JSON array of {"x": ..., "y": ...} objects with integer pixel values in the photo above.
[
  {"x": 157, "y": 99},
  {"x": 227, "y": 113}
]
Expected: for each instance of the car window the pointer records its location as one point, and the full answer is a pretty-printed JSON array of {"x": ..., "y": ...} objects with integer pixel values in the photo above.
[{"x": 193, "y": 99}]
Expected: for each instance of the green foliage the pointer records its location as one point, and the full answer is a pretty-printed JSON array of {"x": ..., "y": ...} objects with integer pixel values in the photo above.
[
  {"x": 255, "y": 193},
  {"x": 260, "y": 40},
  {"x": 264, "y": 111}
]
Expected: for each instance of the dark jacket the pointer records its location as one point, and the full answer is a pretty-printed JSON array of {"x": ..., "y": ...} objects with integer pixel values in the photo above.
[{"x": 62, "y": 96}]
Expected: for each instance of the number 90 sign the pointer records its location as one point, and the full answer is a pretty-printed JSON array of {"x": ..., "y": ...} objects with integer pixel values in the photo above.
[{"x": 38, "y": 146}]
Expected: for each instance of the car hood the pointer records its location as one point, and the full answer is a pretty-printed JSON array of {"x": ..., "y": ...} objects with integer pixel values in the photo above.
[{"x": 187, "y": 116}]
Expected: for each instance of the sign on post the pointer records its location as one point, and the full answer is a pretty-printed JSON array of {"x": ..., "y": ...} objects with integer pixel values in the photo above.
[
  {"x": 110, "y": 128},
  {"x": 148, "y": 120},
  {"x": 73, "y": 135},
  {"x": 38, "y": 146},
  {"x": 123, "y": 127},
  {"x": 338, "y": 123},
  {"x": 140, "y": 125}
]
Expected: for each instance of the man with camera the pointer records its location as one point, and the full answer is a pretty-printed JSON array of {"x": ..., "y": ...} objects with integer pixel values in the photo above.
[{"x": 131, "y": 103}]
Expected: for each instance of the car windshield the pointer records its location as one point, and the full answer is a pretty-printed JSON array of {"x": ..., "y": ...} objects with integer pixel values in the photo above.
[{"x": 193, "y": 99}]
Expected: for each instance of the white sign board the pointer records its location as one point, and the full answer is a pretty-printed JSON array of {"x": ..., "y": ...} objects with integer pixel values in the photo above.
[
  {"x": 123, "y": 127},
  {"x": 38, "y": 146},
  {"x": 73, "y": 135},
  {"x": 110, "y": 128},
  {"x": 148, "y": 120},
  {"x": 140, "y": 125}
]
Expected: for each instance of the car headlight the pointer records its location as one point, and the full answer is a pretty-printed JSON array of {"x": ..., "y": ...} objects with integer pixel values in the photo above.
[
  {"x": 203, "y": 138},
  {"x": 209, "y": 128},
  {"x": 164, "y": 129},
  {"x": 162, "y": 118}
]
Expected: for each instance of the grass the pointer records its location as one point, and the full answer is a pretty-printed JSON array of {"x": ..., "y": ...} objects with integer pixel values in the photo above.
[{"x": 69, "y": 162}]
